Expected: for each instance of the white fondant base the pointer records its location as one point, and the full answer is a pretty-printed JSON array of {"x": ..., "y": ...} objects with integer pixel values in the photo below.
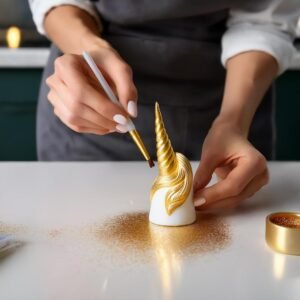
[{"x": 183, "y": 215}]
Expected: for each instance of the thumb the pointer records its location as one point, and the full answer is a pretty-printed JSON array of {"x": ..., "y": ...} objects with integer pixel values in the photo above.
[{"x": 204, "y": 172}]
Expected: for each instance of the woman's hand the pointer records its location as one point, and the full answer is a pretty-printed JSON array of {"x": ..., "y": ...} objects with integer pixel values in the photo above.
[
  {"x": 240, "y": 168},
  {"x": 78, "y": 99}
]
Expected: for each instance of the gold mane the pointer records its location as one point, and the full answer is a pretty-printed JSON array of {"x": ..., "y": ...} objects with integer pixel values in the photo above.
[{"x": 175, "y": 171}]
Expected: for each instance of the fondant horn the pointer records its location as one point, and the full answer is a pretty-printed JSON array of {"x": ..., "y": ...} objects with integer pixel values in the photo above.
[
  {"x": 166, "y": 156},
  {"x": 175, "y": 172}
]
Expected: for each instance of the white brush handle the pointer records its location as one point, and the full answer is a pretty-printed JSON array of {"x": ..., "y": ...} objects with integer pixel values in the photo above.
[{"x": 110, "y": 94}]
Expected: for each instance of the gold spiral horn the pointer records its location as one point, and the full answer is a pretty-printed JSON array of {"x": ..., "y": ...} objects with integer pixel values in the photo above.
[
  {"x": 175, "y": 172},
  {"x": 166, "y": 156}
]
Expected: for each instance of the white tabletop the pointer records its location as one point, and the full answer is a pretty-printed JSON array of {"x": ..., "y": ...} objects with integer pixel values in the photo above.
[
  {"x": 54, "y": 207},
  {"x": 23, "y": 57}
]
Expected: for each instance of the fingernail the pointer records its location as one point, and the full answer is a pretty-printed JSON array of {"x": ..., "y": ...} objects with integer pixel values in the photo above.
[
  {"x": 122, "y": 128},
  {"x": 199, "y": 202},
  {"x": 120, "y": 119},
  {"x": 132, "y": 108}
]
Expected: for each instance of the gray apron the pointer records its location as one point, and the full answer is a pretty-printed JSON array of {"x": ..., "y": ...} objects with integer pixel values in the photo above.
[{"x": 174, "y": 49}]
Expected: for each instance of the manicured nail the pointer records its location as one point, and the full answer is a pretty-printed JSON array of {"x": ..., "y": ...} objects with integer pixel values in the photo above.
[
  {"x": 132, "y": 108},
  {"x": 120, "y": 119},
  {"x": 199, "y": 202},
  {"x": 122, "y": 128}
]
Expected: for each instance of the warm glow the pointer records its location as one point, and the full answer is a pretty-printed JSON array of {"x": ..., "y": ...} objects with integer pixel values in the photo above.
[
  {"x": 278, "y": 265},
  {"x": 13, "y": 37},
  {"x": 168, "y": 260},
  {"x": 170, "y": 269}
]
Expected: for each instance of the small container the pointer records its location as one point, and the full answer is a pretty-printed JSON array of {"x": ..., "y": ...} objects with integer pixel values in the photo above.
[{"x": 283, "y": 232}]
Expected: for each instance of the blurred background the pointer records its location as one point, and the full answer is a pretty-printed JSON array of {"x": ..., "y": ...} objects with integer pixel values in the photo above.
[{"x": 23, "y": 54}]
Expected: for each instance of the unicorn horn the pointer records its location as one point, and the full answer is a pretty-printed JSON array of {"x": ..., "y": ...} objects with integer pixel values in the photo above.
[
  {"x": 166, "y": 157},
  {"x": 172, "y": 187}
]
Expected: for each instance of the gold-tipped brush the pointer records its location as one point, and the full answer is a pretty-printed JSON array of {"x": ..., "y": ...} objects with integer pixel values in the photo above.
[
  {"x": 132, "y": 130},
  {"x": 139, "y": 142}
]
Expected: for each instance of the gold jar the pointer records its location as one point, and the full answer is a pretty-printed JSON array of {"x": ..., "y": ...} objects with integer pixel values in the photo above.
[{"x": 283, "y": 232}]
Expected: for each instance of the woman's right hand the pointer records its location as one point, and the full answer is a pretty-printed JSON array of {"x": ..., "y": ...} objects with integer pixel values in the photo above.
[{"x": 77, "y": 97}]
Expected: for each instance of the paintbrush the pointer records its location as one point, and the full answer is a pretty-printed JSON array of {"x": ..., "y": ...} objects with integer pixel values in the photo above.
[
  {"x": 8, "y": 244},
  {"x": 132, "y": 130}
]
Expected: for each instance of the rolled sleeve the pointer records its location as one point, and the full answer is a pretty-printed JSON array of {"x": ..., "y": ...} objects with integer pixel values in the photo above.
[
  {"x": 40, "y": 8},
  {"x": 270, "y": 31}
]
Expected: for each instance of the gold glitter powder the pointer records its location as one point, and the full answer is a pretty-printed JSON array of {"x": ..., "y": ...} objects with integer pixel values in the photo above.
[
  {"x": 131, "y": 235},
  {"x": 287, "y": 221},
  {"x": 10, "y": 228},
  {"x": 53, "y": 233}
]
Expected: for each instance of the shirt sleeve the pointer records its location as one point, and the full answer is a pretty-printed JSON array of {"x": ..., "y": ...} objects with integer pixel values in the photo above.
[
  {"x": 40, "y": 8},
  {"x": 270, "y": 29}
]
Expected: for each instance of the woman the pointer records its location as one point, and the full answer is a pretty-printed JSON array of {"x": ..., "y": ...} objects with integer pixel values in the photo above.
[{"x": 170, "y": 51}]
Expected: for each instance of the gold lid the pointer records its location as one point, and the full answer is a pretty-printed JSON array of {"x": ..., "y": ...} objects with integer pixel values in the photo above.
[{"x": 283, "y": 232}]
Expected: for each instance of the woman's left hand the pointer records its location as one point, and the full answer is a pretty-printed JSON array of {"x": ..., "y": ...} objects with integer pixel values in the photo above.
[{"x": 240, "y": 168}]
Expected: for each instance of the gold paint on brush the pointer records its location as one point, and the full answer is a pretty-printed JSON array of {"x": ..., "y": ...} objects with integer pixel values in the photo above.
[
  {"x": 175, "y": 171},
  {"x": 140, "y": 144}
]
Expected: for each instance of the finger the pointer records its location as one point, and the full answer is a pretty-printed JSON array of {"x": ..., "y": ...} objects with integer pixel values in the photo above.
[
  {"x": 78, "y": 108},
  {"x": 77, "y": 124},
  {"x": 204, "y": 172},
  {"x": 52, "y": 97},
  {"x": 87, "y": 130},
  {"x": 89, "y": 114},
  {"x": 105, "y": 107},
  {"x": 255, "y": 185},
  {"x": 234, "y": 183},
  {"x": 73, "y": 71},
  {"x": 222, "y": 172},
  {"x": 232, "y": 203},
  {"x": 120, "y": 74}
]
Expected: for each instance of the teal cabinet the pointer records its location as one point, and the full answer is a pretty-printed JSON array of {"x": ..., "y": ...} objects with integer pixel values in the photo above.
[
  {"x": 18, "y": 96},
  {"x": 288, "y": 116}
]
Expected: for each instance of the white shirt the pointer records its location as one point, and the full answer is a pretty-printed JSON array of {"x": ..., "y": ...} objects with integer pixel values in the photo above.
[{"x": 270, "y": 29}]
